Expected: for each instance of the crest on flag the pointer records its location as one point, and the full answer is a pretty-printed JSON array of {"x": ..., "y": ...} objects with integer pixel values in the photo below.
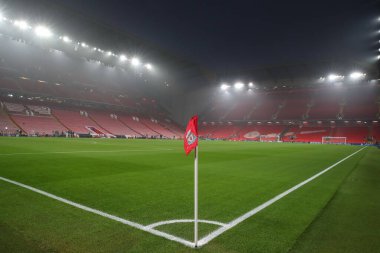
[{"x": 191, "y": 135}]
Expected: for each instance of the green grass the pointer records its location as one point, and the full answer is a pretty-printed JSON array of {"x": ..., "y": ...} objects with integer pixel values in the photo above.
[{"x": 147, "y": 181}]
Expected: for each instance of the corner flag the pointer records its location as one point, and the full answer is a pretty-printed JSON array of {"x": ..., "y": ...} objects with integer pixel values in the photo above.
[
  {"x": 191, "y": 135},
  {"x": 191, "y": 142}
]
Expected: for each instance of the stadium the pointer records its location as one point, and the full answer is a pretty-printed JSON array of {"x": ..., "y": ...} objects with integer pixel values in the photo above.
[{"x": 280, "y": 156}]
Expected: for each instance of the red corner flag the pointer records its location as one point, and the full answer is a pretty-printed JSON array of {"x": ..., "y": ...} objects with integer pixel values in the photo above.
[{"x": 191, "y": 135}]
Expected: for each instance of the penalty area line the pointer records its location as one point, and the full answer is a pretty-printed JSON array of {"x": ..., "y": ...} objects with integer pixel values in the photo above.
[
  {"x": 249, "y": 214},
  {"x": 103, "y": 214}
]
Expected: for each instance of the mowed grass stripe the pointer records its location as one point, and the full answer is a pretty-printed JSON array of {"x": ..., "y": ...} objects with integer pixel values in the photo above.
[{"x": 350, "y": 221}]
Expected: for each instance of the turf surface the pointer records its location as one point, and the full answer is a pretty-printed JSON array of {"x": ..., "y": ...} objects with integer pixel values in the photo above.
[{"x": 148, "y": 181}]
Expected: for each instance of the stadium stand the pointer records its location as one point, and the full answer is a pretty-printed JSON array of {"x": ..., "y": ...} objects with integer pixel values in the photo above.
[
  {"x": 376, "y": 133},
  {"x": 133, "y": 122},
  {"x": 357, "y": 134},
  {"x": 325, "y": 104},
  {"x": 360, "y": 104},
  {"x": 38, "y": 125},
  {"x": 110, "y": 122},
  {"x": 79, "y": 122},
  {"x": 15, "y": 108},
  {"x": 7, "y": 126},
  {"x": 172, "y": 127},
  {"x": 225, "y": 132},
  {"x": 295, "y": 106},
  {"x": 253, "y": 132},
  {"x": 8, "y": 84},
  {"x": 156, "y": 127},
  {"x": 267, "y": 108},
  {"x": 39, "y": 110},
  {"x": 306, "y": 133},
  {"x": 218, "y": 131}
]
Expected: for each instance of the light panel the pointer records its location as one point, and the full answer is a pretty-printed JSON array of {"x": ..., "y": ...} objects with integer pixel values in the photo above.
[
  {"x": 135, "y": 61},
  {"x": 224, "y": 86},
  {"x": 357, "y": 75},
  {"x": 148, "y": 66},
  {"x": 22, "y": 24},
  {"x": 123, "y": 57},
  {"x": 43, "y": 32},
  {"x": 239, "y": 85}
]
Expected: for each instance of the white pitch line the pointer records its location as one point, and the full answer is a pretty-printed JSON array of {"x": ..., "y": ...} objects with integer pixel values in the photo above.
[
  {"x": 161, "y": 223},
  {"x": 249, "y": 214},
  {"x": 106, "y": 215},
  {"x": 85, "y": 151}
]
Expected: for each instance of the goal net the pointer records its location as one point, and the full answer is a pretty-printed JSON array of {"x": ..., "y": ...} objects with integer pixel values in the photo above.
[
  {"x": 269, "y": 138},
  {"x": 333, "y": 140}
]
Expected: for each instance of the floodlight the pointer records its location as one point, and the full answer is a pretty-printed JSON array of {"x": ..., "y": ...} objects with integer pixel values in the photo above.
[
  {"x": 239, "y": 85},
  {"x": 83, "y": 44},
  {"x": 148, "y": 66},
  {"x": 43, "y": 32},
  {"x": 334, "y": 77},
  {"x": 21, "y": 24},
  {"x": 250, "y": 84},
  {"x": 123, "y": 58},
  {"x": 66, "y": 39},
  {"x": 109, "y": 53},
  {"x": 224, "y": 86},
  {"x": 135, "y": 61},
  {"x": 357, "y": 75}
]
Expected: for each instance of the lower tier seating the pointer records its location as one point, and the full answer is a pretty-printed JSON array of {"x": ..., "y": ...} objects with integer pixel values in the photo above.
[{"x": 38, "y": 125}]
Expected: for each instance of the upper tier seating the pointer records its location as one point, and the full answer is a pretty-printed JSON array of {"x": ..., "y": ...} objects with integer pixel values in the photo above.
[
  {"x": 14, "y": 108},
  {"x": 8, "y": 84},
  {"x": 267, "y": 108},
  {"x": 295, "y": 106},
  {"x": 241, "y": 109},
  {"x": 361, "y": 104},
  {"x": 322, "y": 103},
  {"x": 41, "y": 110},
  {"x": 326, "y": 104}
]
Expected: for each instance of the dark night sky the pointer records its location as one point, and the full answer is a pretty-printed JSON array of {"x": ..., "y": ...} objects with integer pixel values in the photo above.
[{"x": 237, "y": 34}]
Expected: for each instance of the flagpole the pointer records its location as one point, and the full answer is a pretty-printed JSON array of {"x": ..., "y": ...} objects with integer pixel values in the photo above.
[{"x": 196, "y": 197}]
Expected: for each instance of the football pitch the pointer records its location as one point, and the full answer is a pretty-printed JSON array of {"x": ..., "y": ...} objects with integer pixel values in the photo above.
[{"x": 114, "y": 195}]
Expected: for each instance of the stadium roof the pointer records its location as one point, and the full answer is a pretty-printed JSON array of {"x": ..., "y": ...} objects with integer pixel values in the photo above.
[{"x": 178, "y": 68}]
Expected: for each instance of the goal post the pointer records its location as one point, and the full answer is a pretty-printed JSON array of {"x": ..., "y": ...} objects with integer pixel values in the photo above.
[
  {"x": 269, "y": 138},
  {"x": 334, "y": 140}
]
